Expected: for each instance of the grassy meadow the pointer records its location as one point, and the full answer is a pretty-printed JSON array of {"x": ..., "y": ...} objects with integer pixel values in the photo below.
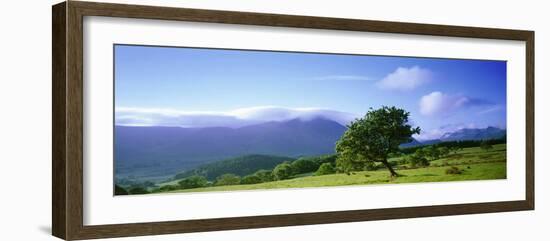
[
  {"x": 471, "y": 164},
  {"x": 258, "y": 120}
]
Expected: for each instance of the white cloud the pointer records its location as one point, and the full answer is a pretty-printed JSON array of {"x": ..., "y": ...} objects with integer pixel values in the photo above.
[
  {"x": 437, "y": 133},
  {"x": 405, "y": 79},
  {"x": 234, "y": 118},
  {"x": 438, "y": 103},
  {"x": 491, "y": 109}
]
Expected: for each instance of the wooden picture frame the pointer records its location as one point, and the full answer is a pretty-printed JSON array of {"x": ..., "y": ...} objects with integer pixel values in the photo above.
[{"x": 67, "y": 150}]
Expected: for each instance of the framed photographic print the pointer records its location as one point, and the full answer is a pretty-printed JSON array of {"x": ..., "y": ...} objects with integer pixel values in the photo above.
[{"x": 171, "y": 120}]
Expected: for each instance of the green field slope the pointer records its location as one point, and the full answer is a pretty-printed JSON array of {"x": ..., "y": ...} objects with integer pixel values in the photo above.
[
  {"x": 474, "y": 164},
  {"x": 242, "y": 165}
]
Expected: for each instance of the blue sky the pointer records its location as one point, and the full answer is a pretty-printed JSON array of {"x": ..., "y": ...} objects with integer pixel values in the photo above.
[{"x": 210, "y": 87}]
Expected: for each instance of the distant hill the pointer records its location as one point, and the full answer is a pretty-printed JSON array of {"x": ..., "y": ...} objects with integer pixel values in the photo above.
[
  {"x": 431, "y": 142},
  {"x": 461, "y": 135},
  {"x": 241, "y": 166},
  {"x": 413, "y": 143},
  {"x": 474, "y": 134},
  {"x": 160, "y": 151}
]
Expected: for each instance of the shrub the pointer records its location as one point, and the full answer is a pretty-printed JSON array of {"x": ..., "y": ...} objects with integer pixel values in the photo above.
[
  {"x": 138, "y": 190},
  {"x": 432, "y": 152},
  {"x": 194, "y": 181},
  {"x": 421, "y": 152},
  {"x": 251, "y": 179},
  {"x": 120, "y": 190},
  {"x": 418, "y": 161},
  {"x": 303, "y": 165},
  {"x": 453, "y": 170},
  {"x": 264, "y": 175},
  {"x": 228, "y": 179},
  {"x": 444, "y": 151},
  {"x": 325, "y": 169},
  {"x": 454, "y": 149},
  {"x": 325, "y": 159},
  {"x": 282, "y": 171},
  {"x": 167, "y": 188}
]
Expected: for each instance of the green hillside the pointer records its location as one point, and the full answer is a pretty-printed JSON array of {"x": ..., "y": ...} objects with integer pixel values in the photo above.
[
  {"x": 487, "y": 171},
  {"x": 243, "y": 165},
  {"x": 472, "y": 164}
]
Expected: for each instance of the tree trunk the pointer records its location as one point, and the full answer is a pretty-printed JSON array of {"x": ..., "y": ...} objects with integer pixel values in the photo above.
[{"x": 390, "y": 168}]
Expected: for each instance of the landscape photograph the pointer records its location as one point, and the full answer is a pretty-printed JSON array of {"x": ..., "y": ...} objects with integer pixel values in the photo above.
[{"x": 202, "y": 120}]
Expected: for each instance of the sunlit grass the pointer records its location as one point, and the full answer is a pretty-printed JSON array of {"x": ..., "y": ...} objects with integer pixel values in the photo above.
[{"x": 475, "y": 164}]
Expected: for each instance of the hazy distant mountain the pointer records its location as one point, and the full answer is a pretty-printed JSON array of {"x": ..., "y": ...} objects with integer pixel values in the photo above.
[
  {"x": 462, "y": 135},
  {"x": 474, "y": 134},
  {"x": 413, "y": 143},
  {"x": 162, "y": 151}
]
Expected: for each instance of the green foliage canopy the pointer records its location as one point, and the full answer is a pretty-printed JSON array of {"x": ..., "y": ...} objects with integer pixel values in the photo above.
[
  {"x": 242, "y": 166},
  {"x": 485, "y": 145},
  {"x": 228, "y": 179},
  {"x": 432, "y": 152},
  {"x": 375, "y": 136},
  {"x": 251, "y": 179},
  {"x": 417, "y": 160},
  {"x": 348, "y": 165},
  {"x": 282, "y": 171},
  {"x": 138, "y": 190},
  {"x": 444, "y": 151},
  {"x": 325, "y": 169},
  {"x": 167, "y": 188},
  {"x": 264, "y": 175},
  {"x": 304, "y": 165},
  {"x": 120, "y": 190},
  {"x": 194, "y": 181}
]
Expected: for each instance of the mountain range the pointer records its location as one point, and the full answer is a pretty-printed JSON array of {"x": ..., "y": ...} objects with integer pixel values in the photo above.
[
  {"x": 474, "y": 134},
  {"x": 462, "y": 135},
  {"x": 143, "y": 152},
  {"x": 154, "y": 152}
]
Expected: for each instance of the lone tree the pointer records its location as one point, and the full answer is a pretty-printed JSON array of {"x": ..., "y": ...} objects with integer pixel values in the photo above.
[{"x": 376, "y": 135}]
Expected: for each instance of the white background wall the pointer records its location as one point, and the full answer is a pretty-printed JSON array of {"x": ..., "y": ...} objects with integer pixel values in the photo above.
[{"x": 25, "y": 119}]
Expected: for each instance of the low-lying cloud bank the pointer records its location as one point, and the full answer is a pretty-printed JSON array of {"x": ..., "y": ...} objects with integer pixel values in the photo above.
[
  {"x": 129, "y": 116},
  {"x": 437, "y": 133}
]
